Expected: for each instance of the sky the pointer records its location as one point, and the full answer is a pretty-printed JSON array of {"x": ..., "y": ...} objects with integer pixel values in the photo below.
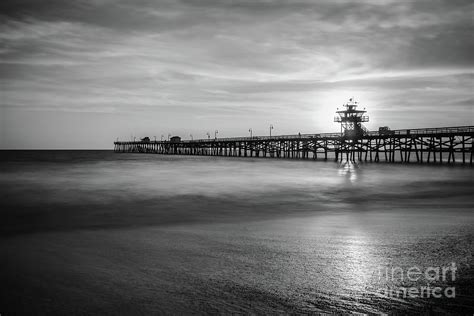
[{"x": 80, "y": 74}]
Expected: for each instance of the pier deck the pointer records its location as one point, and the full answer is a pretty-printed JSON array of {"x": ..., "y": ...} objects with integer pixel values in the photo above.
[{"x": 422, "y": 145}]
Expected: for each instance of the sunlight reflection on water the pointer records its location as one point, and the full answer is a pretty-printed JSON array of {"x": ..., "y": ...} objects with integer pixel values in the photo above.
[{"x": 349, "y": 170}]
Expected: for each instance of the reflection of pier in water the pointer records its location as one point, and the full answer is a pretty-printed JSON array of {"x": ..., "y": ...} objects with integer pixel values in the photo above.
[
  {"x": 424, "y": 145},
  {"x": 353, "y": 143}
]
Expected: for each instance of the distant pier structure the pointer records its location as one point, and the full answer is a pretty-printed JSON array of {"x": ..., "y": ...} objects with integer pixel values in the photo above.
[{"x": 439, "y": 145}]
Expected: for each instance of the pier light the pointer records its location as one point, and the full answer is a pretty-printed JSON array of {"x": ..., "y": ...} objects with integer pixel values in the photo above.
[
  {"x": 271, "y": 127},
  {"x": 208, "y": 135},
  {"x": 169, "y": 135},
  {"x": 215, "y": 133},
  {"x": 191, "y": 135},
  {"x": 250, "y": 131}
]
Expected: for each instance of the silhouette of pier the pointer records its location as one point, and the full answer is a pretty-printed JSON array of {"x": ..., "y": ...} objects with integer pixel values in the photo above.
[
  {"x": 423, "y": 145},
  {"x": 354, "y": 143}
]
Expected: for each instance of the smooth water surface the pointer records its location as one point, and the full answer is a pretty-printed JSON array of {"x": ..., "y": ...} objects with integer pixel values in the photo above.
[{"x": 94, "y": 231}]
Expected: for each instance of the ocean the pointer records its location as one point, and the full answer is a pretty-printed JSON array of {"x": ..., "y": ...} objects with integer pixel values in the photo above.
[{"x": 99, "y": 232}]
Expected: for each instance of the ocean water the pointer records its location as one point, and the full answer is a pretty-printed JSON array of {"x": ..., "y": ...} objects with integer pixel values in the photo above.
[{"x": 97, "y": 232}]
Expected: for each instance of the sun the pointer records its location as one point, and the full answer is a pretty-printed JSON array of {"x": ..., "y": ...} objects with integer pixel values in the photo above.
[{"x": 325, "y": 107}]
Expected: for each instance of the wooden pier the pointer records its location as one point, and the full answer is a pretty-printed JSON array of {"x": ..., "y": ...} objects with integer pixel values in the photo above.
[{"x": 446, "y": 145}]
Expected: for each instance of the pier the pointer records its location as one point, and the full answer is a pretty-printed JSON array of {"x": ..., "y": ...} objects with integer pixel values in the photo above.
[
  {"x": 424, "y": 145},
  {"x": 440, "y": 145}
]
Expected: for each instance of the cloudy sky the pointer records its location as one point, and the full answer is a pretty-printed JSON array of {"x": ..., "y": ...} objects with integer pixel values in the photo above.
[{"x": 79, "y": 74}]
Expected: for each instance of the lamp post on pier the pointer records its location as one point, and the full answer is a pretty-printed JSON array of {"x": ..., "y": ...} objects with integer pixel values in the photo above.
[
  {"x": 271, "y": 127},
  {"x": 169, "y": 135},
  {"x": 250, "y": 130},
  {"x": 191, "y": 135},
  {"x": 208, "y": 135},
  {"x": 215, "y": 134}
]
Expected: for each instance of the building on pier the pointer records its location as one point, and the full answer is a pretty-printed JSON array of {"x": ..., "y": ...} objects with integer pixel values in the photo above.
[
  {"x": 175, "y": 139},
  {"x": 351, "y": 120}
]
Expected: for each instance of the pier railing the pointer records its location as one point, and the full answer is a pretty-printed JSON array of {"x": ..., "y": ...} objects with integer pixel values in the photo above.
[
  {"x": 277, "y": 137},
  {"x": 411, "y": 131},
  {"x": 436, "y": 130}
]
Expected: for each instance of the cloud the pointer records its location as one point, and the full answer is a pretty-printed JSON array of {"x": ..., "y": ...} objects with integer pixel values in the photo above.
[{"x": 225, "y": 58}]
